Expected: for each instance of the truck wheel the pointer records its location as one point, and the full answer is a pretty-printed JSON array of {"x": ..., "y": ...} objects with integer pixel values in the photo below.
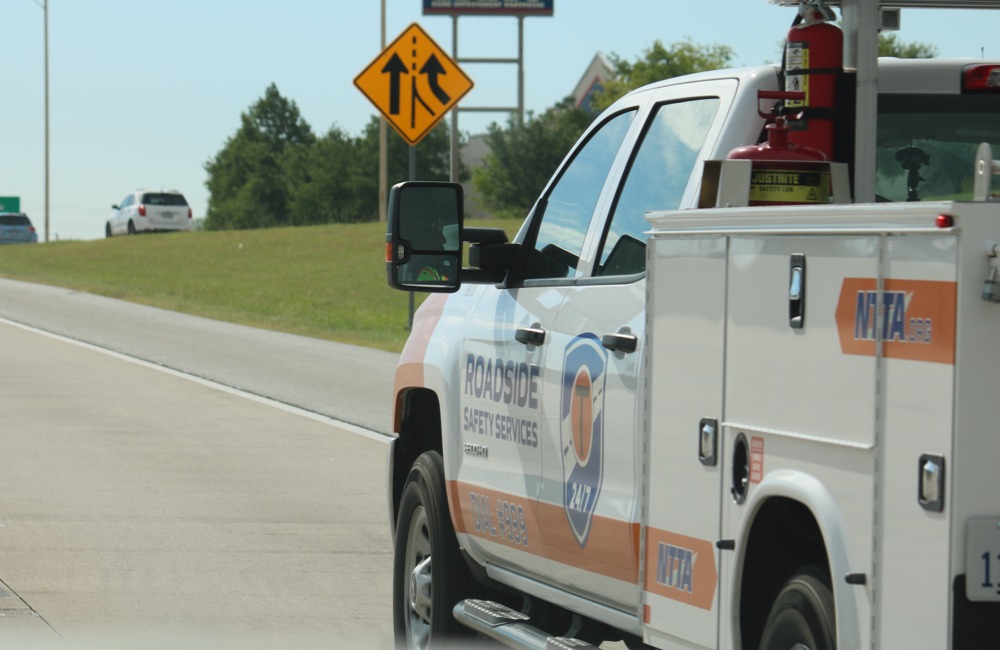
[
  {"x": 802, "y": 617},
  {"x": 429, "y": 573}
]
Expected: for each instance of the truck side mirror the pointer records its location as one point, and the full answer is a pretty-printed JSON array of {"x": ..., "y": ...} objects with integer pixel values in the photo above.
[{"x": 423, "y": 250}]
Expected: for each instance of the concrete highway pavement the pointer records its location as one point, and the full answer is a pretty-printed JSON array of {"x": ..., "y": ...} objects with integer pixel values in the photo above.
[
  {"x": 141, "y": 507},
  {"x": 346, "y": 382}
]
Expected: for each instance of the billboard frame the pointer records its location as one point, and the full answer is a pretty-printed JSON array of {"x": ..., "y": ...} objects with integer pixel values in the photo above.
[{"x": 489, "y": 7}]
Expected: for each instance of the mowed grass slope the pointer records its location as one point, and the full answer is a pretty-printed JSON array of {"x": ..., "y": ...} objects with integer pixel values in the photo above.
[{"x": 321, "y": 281}]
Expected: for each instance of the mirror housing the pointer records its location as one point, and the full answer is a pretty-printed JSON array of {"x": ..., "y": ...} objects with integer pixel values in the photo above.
[
  {"x": 425, "y": 236},
  {"x": 423, "y": 242}
]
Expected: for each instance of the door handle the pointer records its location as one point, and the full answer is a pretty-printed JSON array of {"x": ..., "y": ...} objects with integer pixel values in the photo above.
[
  {"x": 620, "y": 342},
  {"x": 533, "y": 335},
  {"x": 797, "y": 291}
]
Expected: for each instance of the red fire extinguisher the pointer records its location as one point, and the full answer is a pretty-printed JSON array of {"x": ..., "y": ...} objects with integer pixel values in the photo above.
[
  {"x": 813, "y": 62},
  {"x": 784, "y": 173}
]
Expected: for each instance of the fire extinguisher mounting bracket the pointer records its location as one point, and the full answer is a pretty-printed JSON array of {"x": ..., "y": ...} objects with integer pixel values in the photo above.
[
  {"x": 809, "y": 9},
  {"x": 808, "y": 6},
  {"x": 779, "y": 95}
]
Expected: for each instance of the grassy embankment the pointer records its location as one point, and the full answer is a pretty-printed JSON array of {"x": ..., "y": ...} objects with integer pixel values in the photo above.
[{"x": 326, "y": 282}]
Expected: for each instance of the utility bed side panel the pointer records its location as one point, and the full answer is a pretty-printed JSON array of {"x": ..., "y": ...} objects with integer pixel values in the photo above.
[
  {"x": 972, "y": 474},
  {"x": 779, "y": 376},
  {"x": 975, "y": 481},
  {"x": 806, "y": 409},
  {"x": 685, "y": 311},
  {"x": 822, "y": 405},
  {"x": 916, "y": 317}
]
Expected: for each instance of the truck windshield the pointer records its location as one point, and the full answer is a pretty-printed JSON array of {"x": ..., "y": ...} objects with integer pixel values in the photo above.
[{"x": 927, "y": 144}]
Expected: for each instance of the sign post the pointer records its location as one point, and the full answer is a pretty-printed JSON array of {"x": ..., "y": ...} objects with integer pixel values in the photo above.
[
  {"x": 491, "y": 8},
  {"x": 413, "y": 83}
]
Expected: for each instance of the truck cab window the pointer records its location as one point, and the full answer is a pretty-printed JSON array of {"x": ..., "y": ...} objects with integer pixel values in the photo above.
[
  {"x": 656, "y": 180},
  {"x": 927, "y": 145},
  {"x": 570, "y": 205}
]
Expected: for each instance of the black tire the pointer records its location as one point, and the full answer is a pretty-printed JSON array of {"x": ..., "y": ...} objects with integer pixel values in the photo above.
[
  {"x": 131, "y": 228},
  {"x": 802, "y": 617},
  {"x": 423, "y": 598},
  {"x": 107, "y": 230}
]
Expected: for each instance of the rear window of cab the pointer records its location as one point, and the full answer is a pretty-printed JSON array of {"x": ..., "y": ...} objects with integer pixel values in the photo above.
[{"x": 926, "y": 144}]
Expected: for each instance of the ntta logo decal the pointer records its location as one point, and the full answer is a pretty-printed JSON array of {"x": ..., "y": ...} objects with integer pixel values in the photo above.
[
  {"x": 913, "y": 319},
  {"x": 582, "y": 431},
  {"x": 681, "y": 568}
]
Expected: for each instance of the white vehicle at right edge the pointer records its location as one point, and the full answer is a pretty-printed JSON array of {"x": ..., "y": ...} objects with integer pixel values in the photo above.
[{"x": 718, "y": 392}]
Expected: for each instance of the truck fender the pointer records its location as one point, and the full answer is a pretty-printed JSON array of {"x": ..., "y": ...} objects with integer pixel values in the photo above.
[
  {"x": 417, "y": 418},
  {"x": 421, "y": 398},
  {"x": 808, "y": 491},
  {"x": 415, "y": 402}
]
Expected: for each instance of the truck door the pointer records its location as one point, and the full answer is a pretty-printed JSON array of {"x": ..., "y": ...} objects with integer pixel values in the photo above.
[
  {"x": 506, "y": 378},
  {"x": 594, "y": 354}
]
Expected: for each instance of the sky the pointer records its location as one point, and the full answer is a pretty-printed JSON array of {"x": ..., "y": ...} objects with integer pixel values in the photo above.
[{"x": 142, "y": 93}]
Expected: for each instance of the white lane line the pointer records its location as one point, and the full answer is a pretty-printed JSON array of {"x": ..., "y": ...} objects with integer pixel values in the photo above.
[{"x": 317, "y": 417}]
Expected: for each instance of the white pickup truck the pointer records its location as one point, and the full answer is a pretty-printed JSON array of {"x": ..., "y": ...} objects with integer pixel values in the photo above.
[{"x": 666, "y": 417}]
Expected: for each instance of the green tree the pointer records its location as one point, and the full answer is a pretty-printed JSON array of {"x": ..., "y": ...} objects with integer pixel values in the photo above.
[
  {"x": 318, "y": 175},
  {"x": 889, "y": 45},
  {"x": 660, "y": 62},
  {"x": 522, "y": 157},
  {"x": 247, "y": 181},
  {"x": 433, "y": 155}
]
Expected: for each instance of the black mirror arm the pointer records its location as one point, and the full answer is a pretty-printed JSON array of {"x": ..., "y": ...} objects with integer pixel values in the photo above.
[
  {"x": 490, "y": 256},
  {"x": 490, "y": 262},
  {"x": 484, "y": 235},
  {"x": 493, "y": 256}
]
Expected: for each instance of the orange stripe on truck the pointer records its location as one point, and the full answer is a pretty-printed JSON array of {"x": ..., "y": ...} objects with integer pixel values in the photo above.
[
  {"x": 410, "y": 371},
  {"x": 542, "y": 529}
]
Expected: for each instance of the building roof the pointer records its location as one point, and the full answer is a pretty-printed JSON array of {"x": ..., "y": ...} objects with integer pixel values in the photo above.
[{"x": 599, "y": 71}]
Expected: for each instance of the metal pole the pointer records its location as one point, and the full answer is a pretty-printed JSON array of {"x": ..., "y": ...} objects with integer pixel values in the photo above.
[
  {"x": 861, "y": 54},
  {"x": 45, "y": 12},
  {"x": 453, "y": 155},
  {"x": 383, "y": 147},
  {"x": 520, "y": 69},
  {"x": 412, "y": 177}
]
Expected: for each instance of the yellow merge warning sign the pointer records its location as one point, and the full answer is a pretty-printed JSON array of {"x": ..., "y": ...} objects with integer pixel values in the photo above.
[
  {"x": 413, "y": 83},
  {"x": 789, "y": 186}
]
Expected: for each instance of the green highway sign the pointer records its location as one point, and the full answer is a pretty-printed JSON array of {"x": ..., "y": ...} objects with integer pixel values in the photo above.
[{"x": 10, "y": 204}]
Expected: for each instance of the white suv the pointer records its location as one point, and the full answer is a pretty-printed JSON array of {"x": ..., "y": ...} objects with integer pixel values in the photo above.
[{"x": 145, "y": 211}]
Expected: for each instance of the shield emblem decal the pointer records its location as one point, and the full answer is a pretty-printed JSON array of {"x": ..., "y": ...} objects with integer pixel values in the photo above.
[{"x": 582, "y": 431}]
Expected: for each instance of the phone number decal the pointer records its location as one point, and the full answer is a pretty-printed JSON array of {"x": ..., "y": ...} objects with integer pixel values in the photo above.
[{"x": 499, "y": 519}]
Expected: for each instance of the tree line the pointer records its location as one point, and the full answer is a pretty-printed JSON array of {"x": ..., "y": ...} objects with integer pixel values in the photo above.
[{"x": 275, "y": 171}]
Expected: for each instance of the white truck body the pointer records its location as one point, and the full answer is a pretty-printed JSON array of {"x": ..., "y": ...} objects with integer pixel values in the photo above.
[
  {"x": 651, "y": 431},
  {"x": 894, "y": 363}
]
